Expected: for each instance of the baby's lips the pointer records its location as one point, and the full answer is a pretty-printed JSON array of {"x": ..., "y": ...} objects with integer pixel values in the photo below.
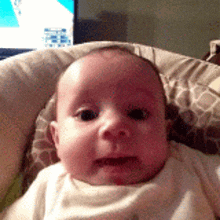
[{"x": 115, "y": 161}]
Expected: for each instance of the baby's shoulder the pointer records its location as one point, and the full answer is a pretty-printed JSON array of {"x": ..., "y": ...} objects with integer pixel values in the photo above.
[
  {"x": 51, "y": 172},
  {"x": 192, "y": 157}
]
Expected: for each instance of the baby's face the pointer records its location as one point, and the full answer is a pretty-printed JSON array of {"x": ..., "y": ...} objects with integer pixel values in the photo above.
[{"x": 111, "y": 126}]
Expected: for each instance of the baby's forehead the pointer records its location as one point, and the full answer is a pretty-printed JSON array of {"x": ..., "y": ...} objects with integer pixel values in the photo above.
[
  {"x": 109, "y": 65},
  {"x": 114, "y": 63},
  {"x": 99, "y": 71},
  {"x": 112, "y": 56}
]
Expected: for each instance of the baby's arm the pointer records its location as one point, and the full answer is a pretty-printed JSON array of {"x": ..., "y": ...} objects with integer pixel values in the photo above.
[
  {"x": 210, "y": 177},
  {"x": 20, "y": 209},
  {"x": 29, "y": 206},
  {"x": 207, "y": 168}
]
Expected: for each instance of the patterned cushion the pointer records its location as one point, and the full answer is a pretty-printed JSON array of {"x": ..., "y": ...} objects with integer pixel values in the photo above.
[
  {"x": 193, "y": 107},
  {"x": 42, "y": 152},
  {"x": 195, "y": 112}
]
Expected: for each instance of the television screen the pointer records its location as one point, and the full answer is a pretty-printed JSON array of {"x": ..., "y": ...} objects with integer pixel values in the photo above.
[{"x": 36, "y": 24}]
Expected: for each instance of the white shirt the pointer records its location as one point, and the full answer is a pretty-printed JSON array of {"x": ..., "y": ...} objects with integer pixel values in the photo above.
[{"x": 188, "y": 187}]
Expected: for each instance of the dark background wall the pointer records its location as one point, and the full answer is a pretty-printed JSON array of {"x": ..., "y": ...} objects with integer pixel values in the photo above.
[{"x": 182, "y": 26}]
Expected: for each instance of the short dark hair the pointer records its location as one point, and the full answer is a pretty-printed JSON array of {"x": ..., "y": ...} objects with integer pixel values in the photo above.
[{"x": 122, "y": 50}]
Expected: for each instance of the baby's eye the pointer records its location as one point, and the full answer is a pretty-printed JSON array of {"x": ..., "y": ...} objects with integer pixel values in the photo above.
[
  {"x": 87, "y": 115},
  {"x": 138, "y": 114}
]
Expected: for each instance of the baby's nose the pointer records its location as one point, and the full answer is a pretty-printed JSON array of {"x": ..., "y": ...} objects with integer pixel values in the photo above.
[{"x": 115, "y": 128}]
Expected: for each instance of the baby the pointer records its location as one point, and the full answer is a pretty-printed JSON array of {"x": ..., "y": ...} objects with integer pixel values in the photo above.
[{"x": 116, "y": 162}]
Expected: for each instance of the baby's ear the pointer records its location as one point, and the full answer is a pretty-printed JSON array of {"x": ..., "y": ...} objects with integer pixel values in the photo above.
[{"x": 54, "y": 132}]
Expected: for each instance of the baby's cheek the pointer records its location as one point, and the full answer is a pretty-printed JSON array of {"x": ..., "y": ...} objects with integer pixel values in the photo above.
[
  {"x": 73, "y": 162},
  {"x": 75, "y": 156}
]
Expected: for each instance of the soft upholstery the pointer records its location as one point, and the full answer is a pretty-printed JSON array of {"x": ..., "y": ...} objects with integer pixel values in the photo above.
[
  {"x": 28, "y": 81},
  {"x": 214, "y": 55}
]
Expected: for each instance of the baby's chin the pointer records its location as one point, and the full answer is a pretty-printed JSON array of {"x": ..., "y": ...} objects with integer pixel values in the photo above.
[{"x": 117, "y": 180}]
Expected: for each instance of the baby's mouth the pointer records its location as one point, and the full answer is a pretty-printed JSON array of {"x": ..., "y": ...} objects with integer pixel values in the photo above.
[{"x": 120, "y": 161}]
